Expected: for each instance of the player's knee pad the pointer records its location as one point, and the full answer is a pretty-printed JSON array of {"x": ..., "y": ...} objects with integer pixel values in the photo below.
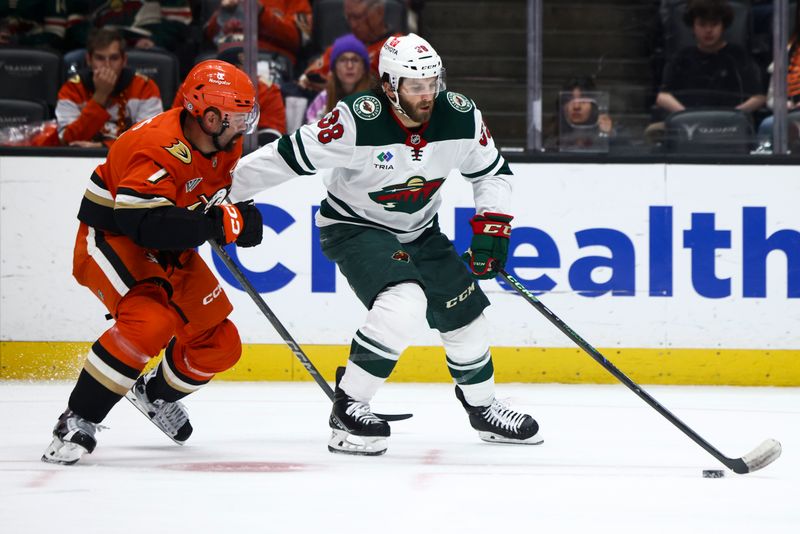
[
  {"x": 397, "y": 316},
  {"x": 212, "y": 351},
  {"x": 468, "y": 343},
  {"x": 145, "y": 319}
]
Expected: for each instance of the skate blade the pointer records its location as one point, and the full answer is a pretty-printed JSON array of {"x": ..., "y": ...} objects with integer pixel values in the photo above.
[
  {"x": 131, "y": 396},
  {"x": 491, "y": 437},
  {"x": 63, "y": 452},
  {"x": 342, "y": 442}
]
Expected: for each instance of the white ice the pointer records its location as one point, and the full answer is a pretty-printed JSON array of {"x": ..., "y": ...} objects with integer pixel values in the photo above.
[{"x": 258, "y": 462}]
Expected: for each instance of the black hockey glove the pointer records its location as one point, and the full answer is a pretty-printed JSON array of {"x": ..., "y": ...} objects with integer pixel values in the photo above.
[
  {"x": 253, "y": 231},
  {"x": 240, "y": 223}
]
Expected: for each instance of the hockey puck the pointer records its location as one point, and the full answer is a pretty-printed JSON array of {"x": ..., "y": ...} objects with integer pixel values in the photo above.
[{"x": 713, "y": 473}]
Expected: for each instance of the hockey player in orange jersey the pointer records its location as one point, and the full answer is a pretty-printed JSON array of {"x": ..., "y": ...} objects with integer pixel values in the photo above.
[{"x": 161, "y": 193}]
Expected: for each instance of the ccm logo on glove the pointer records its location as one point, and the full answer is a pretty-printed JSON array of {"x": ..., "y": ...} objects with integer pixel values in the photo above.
[
  {"x": 240, "y": 223},
  {"x": 231, "y": 222}
]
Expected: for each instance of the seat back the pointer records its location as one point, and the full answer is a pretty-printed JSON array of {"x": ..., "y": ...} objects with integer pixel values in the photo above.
[
  {"x": 161, "y": 66},
  {"x": 30, "y": 74},
  {"x": 709, "y": 132},
  {"x": 678, "y": 35},
  {"x": 15, "y": 112}
]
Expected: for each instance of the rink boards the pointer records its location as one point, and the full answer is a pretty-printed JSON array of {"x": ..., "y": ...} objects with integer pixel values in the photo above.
[{"x": 680, "y": 274}]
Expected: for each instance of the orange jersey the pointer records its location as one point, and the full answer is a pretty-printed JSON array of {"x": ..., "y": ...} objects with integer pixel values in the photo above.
[
  {"x": 153, "y": 165},
  {"x": 80, "y": 118}
]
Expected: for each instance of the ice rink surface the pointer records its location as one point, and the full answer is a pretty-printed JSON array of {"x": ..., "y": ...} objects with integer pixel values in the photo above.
[{"x": 258, "y": 463}]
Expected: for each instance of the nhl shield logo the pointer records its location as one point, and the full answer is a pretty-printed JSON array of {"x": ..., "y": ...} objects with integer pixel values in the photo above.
[
  {"x": 459, "y": 102},
  {"x": 367, "y": 107},
  {"x": 415, "y": 139},
  {"x": 401, "y": 255}
]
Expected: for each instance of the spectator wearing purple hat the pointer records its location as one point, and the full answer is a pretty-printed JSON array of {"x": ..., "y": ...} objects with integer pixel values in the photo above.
[{"x": 350, "y": 74}]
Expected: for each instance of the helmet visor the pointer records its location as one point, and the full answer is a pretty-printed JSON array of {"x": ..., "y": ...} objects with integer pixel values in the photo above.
[
  {"x": 243, "y": 122},
  {"x": 423, "y": 86}
]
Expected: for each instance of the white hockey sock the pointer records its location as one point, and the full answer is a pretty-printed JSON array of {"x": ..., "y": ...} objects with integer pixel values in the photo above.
[
  {"x": 470, "y": 361},
  {"x": 397, "y": 313}
]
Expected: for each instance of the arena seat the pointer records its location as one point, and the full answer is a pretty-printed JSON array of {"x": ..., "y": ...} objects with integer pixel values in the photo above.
[
  {"x": 709, "y": 131},
  {"x": 30, "y": 74},
  {"x": 161, "y": 66},
  {"x": 14, "y": 112}
]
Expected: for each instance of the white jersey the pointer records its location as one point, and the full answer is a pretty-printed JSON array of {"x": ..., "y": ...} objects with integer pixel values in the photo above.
[{"x": 383, "y": 174}]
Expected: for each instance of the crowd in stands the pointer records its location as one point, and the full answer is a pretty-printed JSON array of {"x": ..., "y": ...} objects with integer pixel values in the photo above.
[{"x": 122, "y": 61}]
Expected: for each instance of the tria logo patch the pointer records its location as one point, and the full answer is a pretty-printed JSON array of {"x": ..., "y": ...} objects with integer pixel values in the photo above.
[
  {"x": 409, "y": 197},
  {"x": 191, "y": 184},
  {"x": 401, "y": 255},
  {"x": 384, "y": 158}
]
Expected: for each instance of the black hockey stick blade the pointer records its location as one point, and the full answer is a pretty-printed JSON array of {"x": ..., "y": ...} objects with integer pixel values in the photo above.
[
  {"x": 278, "y": 326},
  {"x": 760, "y": 457},
  {"x": 394, "y": 417}
]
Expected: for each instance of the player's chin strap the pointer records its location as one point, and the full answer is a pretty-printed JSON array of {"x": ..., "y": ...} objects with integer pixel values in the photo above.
[
  {"x": 214, "y": 136},
  {"x": 396, "y": 105}
]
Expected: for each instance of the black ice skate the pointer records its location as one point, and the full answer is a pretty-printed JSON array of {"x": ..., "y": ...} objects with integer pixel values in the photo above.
[
  {"x": 497, "y": 423},
  {"x": 355, "y": 429},
  {"x": 170, "y": 417},
  {"x": 73, "y": 436}
]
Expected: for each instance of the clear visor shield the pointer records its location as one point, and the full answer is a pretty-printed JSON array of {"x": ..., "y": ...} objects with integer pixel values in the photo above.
[
  {"x": 424, "y": 86},
  {"x": 244, "y": 123}
]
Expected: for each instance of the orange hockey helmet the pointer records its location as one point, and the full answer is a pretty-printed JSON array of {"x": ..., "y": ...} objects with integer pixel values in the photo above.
[{"x": 219, "y": 85}]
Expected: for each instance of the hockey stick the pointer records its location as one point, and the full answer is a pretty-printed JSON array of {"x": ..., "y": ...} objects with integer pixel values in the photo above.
[
  {"x": 285, "y": 335},
  {"x": 760, "y": 457}
]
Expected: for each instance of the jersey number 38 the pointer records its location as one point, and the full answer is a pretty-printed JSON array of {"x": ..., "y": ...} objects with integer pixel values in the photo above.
[{"x": 331, "y": 129}]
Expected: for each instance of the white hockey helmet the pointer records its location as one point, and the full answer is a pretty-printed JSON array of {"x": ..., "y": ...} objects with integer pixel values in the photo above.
[{"x": 410, "y": 56}]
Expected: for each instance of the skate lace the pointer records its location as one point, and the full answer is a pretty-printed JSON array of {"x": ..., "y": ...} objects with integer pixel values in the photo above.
[
  {"x": 171, "y": 415},
  {"x": 501, "y": 415},
  {"x": 361, "y": 412},
  {"x": 76, "y": 422}
]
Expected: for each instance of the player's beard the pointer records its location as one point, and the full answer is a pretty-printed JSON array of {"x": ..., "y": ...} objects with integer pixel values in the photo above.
[
  {"x": 227, "y": 147},
  {"x": 414, "y": 113}
]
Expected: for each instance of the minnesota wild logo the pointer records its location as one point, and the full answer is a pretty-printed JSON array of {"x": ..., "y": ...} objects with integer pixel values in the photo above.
[
  {"x": 409, "y": 197},
  {"x": 459, "y": 102},
  {"x": 367, "y": 107}
]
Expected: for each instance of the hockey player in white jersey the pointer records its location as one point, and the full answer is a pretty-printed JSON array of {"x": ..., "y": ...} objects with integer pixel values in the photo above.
[{"x": 390, "y": 150}]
